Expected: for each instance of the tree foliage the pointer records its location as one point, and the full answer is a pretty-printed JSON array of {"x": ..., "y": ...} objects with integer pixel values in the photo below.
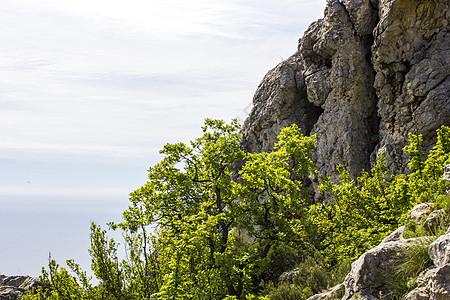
[
  {"x": 204, "y": 228},
  {"x": 362, "y": 213}
]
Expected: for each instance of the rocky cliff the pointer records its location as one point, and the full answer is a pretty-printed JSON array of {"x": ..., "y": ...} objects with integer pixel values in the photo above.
[{"x": 362, "y": 77}]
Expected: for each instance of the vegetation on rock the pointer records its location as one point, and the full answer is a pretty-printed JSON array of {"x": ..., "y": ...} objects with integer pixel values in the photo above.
[{"x": 203, "y": 228}]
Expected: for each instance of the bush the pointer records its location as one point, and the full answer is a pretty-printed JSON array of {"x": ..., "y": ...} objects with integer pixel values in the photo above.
[
  {"x": 221, "y": 238},
  {"x": 287, "y": 291}
]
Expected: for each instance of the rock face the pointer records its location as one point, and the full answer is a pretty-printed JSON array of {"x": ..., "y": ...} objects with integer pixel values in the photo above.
[
  {"x": 13, "y": 287},
  {"x": 363, "y": 77}
]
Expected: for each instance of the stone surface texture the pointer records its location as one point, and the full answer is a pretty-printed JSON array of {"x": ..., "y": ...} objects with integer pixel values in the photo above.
[
  {"x": 364, "y": 75},
  {"x": 434, "y": 283},
  {"x": 335, "y": 292},
  {"x": 13, "y": 287},
  {"x": 366, "y": 278}
]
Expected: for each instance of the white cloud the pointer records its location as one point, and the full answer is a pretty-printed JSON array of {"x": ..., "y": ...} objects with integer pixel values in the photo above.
[
  {"x": 232, "y": 18},
  {"x": 117, "y": 78}
]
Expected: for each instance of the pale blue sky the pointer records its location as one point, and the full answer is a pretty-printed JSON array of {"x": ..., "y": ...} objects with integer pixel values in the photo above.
[{"x": 91, "y": 90}]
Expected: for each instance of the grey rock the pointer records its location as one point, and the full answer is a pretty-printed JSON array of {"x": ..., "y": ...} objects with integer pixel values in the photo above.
[
  {"x": 363, "y": 77},
  {"x": 366, "y": 278},
  {"x": 418, "y": 211},
  {"x": 434, "y": 283},
  {"x": 437, "y": 285},
  {"x": 411, "y": 55},
  {"x": 433, "y": 220},
  {"x": 447, "y": 173},
  {"x": 396, "y": 235},
  {"x": 318, "y": 86},
  {"x": 362, "y": 14},
  {"x": 277, "y": 97},
  {"x": 13, "y": 287},
  {"x": 335, "y": 292},
  {"x": 416, "y": 214},
  {"x": 439, "y": 251}
]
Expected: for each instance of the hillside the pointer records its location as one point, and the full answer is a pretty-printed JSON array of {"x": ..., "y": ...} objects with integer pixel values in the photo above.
[
  {"x": 363, "y": 77},
  {"x": 367, "y": 89}
]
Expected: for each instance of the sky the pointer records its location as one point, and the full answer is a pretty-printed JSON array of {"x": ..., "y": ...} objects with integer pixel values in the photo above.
[{"x": 90, "y": 91}]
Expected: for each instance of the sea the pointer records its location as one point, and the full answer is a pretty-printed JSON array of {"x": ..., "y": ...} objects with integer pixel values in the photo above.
[{"x": 34, "y": 228}]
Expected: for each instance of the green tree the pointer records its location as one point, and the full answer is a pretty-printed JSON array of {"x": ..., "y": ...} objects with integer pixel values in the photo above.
[
  {"x": 200, "y": 228},
  {"x": 214, "y": 233},
  {"x": 204, "y": 228}
]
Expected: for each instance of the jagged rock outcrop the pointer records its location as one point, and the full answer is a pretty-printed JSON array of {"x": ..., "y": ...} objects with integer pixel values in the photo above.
[
  {"x": 411, "y": 57},
  {"x": 363, "y": 77},
  {"x": 13, "y": 287}
]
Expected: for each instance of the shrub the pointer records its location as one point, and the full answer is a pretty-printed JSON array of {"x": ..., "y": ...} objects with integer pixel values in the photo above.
[
  {"x": 287, "y": 291},
  {"x": 217, "y": 237}
]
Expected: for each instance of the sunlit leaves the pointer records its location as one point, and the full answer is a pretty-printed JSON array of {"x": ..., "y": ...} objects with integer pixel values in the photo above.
[{"x": 211, "y": 219}]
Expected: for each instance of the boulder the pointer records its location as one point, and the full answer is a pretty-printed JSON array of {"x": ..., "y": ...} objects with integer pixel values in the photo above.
[
  {"x": 433, "y": 220},
  {"x": 417, "y": 213},
  {"x": 434, "y": 284},
  {"x": 439, "y": 250},
  {"x": 367, "y": 276},
  {"x": 396, "y": 235}
]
